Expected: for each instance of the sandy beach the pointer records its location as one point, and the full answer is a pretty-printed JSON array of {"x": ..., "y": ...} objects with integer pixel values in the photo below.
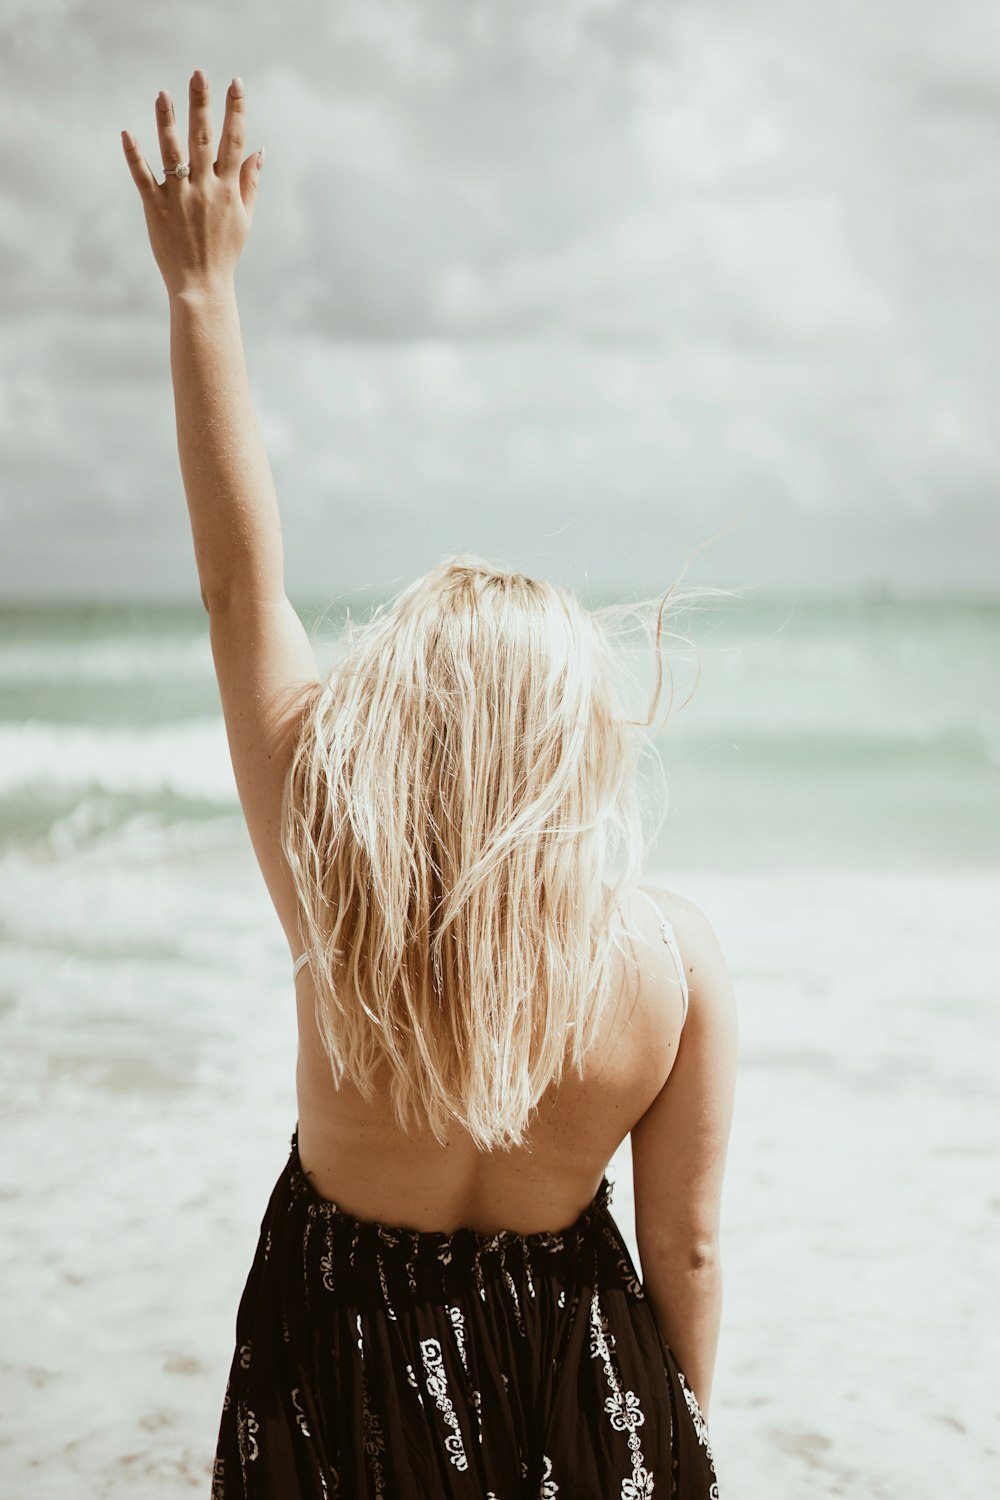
[{"x": 147, "y": 1115}]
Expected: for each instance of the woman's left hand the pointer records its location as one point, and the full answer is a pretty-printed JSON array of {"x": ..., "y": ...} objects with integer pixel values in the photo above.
[{"x": 198, "y": 224}]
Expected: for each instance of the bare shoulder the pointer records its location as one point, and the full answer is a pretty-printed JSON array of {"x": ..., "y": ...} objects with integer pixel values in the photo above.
[{"x": 705, "y": 965}]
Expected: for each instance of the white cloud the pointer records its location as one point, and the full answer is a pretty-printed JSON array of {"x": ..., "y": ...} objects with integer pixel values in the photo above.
[{"x": 515, "y": 264}]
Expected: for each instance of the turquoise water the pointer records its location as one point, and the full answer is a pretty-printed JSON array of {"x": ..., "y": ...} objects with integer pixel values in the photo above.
[{"x": 823, "y": 731}]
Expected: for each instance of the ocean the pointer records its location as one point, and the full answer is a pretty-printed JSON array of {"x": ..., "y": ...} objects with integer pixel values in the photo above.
[{"x": 846, "y": 731}]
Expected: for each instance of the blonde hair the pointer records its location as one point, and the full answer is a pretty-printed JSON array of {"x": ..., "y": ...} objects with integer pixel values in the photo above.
[{"x": 459, "y": 788}]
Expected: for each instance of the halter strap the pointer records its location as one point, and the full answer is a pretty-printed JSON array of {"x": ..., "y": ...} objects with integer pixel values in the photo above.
[{"x": 670, "y": 938}]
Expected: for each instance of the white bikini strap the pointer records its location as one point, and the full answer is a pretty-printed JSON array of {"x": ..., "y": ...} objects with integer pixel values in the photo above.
[
  {"x": 670, "y": 938},
  {"x": 302, "y": 959}
]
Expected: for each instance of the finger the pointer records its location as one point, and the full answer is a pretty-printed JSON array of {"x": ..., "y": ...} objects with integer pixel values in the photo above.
[
  {"x": 200, "y": 153},
  {"x": 139, "y": 167},
  {"x": 249, "y": 178},
  {"x": 234, "y": 135},
  {"x": 166, "y": 128}
]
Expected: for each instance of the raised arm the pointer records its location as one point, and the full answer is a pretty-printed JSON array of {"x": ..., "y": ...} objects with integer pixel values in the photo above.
[
  {"x": 198, "y": 224},
  {"x": 224, "y": 464}
]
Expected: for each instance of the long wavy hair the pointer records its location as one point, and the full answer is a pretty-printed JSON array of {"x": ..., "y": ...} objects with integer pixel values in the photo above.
[{"x": 462, "y": 784}]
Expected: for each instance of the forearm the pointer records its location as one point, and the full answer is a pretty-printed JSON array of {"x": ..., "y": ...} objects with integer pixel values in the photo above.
[
  {"x": 224, "y": 466},
  {"x": 687, "y": 1305}
]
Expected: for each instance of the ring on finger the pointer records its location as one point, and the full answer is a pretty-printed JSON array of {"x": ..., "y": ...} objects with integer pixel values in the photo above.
[{"x": 180, "y": 170}]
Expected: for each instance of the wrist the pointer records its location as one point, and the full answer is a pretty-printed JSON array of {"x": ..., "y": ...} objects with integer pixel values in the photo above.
[{"x": 202, "y": 293}]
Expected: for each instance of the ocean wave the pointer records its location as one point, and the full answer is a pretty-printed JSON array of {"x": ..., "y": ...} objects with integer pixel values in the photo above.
[
  {"x": 139, "y": 658},
  {"x": 188, "y": 759}
]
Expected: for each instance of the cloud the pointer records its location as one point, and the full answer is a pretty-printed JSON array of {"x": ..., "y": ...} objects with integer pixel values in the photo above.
[{"x": 527, "y": 261}]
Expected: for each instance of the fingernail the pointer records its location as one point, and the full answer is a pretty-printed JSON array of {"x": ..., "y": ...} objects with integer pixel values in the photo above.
[
  {"x": 163, "y": 100},
  {"x": 127, "y": 140},
  {"x": 199, "y": 80},
  {"x": 236, "y": 88},
  {"x": 260, "y": 158}
]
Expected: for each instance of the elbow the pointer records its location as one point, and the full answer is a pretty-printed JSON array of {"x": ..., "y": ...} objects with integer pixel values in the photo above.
[
  {"x": 696, "y": 1257},
  {"x": 703, "y": 1256},
  {"x": 214, "y": 598}
]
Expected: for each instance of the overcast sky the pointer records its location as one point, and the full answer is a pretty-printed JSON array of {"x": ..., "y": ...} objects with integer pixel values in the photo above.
[{"x": 576, "y": 285}]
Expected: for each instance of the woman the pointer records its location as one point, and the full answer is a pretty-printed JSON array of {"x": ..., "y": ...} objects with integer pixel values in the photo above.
[{"x": 441, "y": 1303}]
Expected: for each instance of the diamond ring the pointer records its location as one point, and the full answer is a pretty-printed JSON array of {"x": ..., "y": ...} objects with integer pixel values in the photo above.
[{"x": 181, "y": 170}]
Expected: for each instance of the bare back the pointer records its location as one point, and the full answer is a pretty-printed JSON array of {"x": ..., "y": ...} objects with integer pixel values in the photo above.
[{"x": 354, "y": 1153}]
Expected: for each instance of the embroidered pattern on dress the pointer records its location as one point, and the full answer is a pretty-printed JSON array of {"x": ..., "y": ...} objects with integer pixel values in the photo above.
[
  {"x": 476, "y": 1397},
  {"x": 527, "y": 1273},
  {"x": 247, "y": 1428},
  {"x": 326, "y": 1264},
  {"x": 411, "y": 1380},
  {"x": 300, "y": 1416},
  {"x": 700, "y": 1425},
  {"x": 444, "y": 1251},
  {"x": 549, "y": 1489},
  {"x": 373, "y": 1438},
  {"x": 390, "y": 1310},
  {"x": 508, "y": 1278},
  {"x": 622, "y": 1406},
  {"x": 458, "y": 1323},
  {"x": 632, "y": 1283},
  {"x": 437, "y": 1385}
]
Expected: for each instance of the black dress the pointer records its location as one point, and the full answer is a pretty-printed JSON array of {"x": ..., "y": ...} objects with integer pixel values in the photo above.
[{"x": 374, "y": 1360}]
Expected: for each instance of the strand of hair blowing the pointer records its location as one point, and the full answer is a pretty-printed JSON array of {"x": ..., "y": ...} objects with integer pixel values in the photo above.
[{"x": 458, "y": 790}]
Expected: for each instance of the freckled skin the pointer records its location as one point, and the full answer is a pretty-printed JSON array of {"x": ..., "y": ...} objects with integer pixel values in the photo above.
[{"x": 355, "y": 1155}]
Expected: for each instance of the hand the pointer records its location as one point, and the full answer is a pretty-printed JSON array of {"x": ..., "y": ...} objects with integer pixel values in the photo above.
[{"x": 198, "y": 224}]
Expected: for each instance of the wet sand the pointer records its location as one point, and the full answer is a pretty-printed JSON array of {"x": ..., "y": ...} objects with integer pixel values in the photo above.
[{"x": 148, "y": 1100}]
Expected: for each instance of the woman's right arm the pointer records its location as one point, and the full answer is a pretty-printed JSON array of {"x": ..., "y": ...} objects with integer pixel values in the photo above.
[{"x": 678, "y": 1159}]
